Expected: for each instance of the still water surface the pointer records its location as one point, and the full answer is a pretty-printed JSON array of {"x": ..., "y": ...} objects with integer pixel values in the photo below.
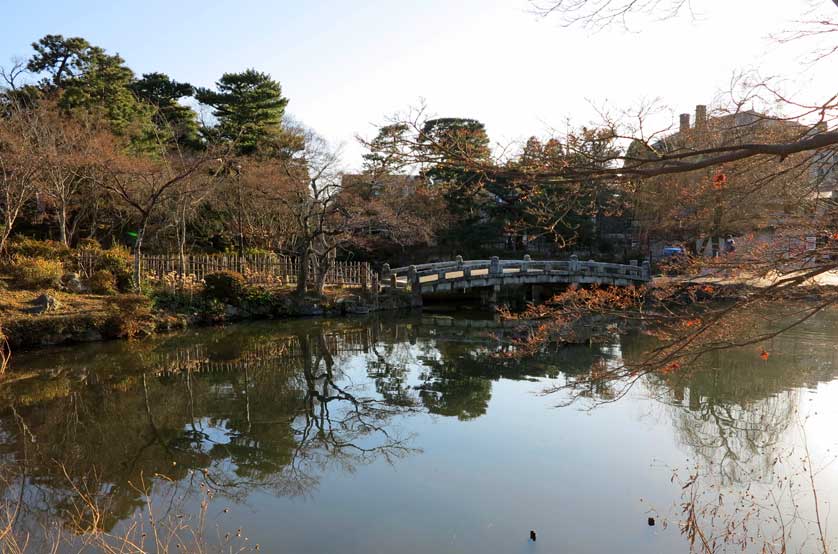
[{"x": 400, "y": 434}]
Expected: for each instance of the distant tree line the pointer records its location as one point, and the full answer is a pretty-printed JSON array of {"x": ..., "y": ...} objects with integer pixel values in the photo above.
[{"x": 89, "y": 151}]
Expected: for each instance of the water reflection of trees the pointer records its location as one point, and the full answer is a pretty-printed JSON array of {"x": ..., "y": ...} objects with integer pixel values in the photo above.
[
  {"x": 246, "y": 409},
  {"x": 461, "y": 362},
  {"x": 732, "y": 408},
  {"x": 241, "y": 408},
  {"x": 273, "y": 407}
]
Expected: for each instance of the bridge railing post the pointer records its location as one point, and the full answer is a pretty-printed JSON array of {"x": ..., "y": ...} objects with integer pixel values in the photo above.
[
  {"x": 494, "y": 266},
  {"x": 574, "y": 264},
  {"x": 385, "y": 273},
  {"x": 525, "y": 265},
  {"x": 645, "y": 270},
  {"x": 412, "y": 278}
]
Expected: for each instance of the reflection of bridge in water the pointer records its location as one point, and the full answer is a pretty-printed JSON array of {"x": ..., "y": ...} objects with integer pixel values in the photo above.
[
  {"x": 276, "y": 353},
  {"x": 491, "y": 276},
  {"x": 290, "y": 352}
]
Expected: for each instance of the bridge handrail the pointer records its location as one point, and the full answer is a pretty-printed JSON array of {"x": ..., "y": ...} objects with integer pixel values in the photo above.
[
  {"x": 438, "y": 265},
  {"x": 496, "y": 266}
]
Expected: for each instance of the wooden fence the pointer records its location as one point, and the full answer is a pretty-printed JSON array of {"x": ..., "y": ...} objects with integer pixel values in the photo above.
[{"x": 258, "y": 269}]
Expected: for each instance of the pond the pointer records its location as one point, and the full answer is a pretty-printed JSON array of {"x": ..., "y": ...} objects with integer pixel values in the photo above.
[{"x": 404, "y": 434}]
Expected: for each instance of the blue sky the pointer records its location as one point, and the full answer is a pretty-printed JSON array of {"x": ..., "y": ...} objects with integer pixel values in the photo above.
[{"x": 347, "y": 65}]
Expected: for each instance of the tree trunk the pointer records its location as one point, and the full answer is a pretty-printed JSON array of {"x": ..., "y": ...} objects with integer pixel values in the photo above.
[
  {"x": 4, "y": 235},
  {"x": 62, "y": 223},
  {"x": 138, "y": 259},
  {"x": 11, "y": 208},
  {"x": 182, "y": 255},
  {"x": 324, "y": 264},
  {"x": 320, "y": 282},
  {"x": 180, "y": 226},
  {"x": 240, "y": 216},
  {"x": 302, "y": 270}
]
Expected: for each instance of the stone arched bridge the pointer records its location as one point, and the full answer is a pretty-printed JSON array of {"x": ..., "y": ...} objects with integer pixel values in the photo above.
[{"x": 494, "y": 274}]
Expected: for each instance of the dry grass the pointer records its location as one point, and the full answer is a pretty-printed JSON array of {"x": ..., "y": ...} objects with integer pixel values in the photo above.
[
  {"x": 16, "y": 303},
  {"x": 148, "y": 531}
]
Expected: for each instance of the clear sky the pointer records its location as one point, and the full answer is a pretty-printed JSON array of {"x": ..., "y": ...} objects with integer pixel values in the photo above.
[{"x": 347, "y": 64}]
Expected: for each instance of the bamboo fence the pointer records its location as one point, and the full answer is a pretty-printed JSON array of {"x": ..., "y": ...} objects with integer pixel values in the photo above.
[{"x": 258, "y": 269}]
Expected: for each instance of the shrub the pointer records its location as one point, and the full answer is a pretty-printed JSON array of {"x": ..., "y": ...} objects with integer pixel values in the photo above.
[
  {"x": 103, "y": 282},
  {"x": 116, "y": 260},
  {"x": 36, "y": 273},
  {"x": 46, "y": 249},
  {"x": 225, "y": 286},
  {"x": 89, "y": 244},
  {"x": 129, "y": 316},
  {"x": 252, "y": 251},
  {"x": 213, "y": 311}
]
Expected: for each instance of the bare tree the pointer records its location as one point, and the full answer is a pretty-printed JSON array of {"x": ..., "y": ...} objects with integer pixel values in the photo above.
[
  {"x": 11, "y": 76},
  {"x": 142, "y": 184},
  {"x": 598, "y": 14},
  {"x": 20, "y": 164},
  {"x": 311, "y": 194},
  {"x": 68, "y": 146}
]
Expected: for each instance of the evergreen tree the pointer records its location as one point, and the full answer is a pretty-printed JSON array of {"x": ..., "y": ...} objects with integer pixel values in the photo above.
[
  {"x": 84, "y": 76},
  {"x": 163, "y": 93},
  {"x": 249, "y": 107},
  {"x": 61, "y": 59},
  {"x": 456, "y": 147},
  {"x": 385, "y": 151}
]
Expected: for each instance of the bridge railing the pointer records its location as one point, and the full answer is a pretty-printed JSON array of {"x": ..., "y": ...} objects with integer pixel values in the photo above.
[{"x": 459, "y": 269}]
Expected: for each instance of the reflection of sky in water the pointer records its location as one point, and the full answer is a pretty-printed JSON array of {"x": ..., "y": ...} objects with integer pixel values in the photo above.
[{"x": 495, "y": 458}]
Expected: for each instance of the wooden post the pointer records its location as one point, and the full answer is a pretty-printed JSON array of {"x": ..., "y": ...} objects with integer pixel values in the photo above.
[{"x": 364, "y": 282}]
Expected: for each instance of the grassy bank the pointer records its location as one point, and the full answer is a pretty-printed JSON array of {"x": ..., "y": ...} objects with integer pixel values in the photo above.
[{"x": 47, "y": 299}]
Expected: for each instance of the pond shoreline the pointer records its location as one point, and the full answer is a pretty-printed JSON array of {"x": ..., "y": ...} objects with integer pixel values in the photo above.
[
  {"x": 101, "y": 318},
  {"x": 109, "y": 321}
]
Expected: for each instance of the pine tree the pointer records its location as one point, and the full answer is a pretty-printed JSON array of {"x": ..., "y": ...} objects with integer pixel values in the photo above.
[
  {"x": 249, "y": 107},
  {"x": 163, "y": 93},
  {"x": 86, "y": 77}
]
